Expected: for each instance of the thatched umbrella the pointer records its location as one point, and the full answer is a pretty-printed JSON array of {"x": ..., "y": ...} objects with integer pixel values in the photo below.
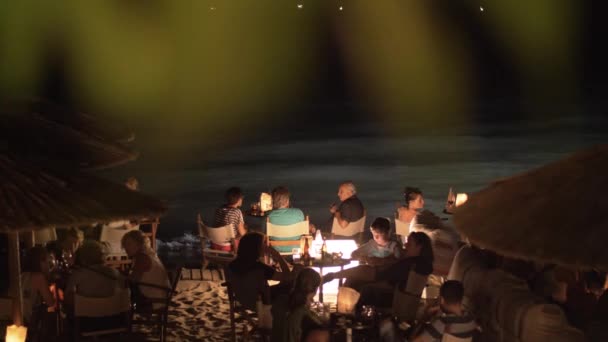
[
  {"x": 34, "y": 136},
  {"x": 557, "y": 213},
  {"x": 32, "y": 198},
  {"x": 91, "y": 125}
]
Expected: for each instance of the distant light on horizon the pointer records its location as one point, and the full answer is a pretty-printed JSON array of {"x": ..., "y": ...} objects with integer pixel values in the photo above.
[
  {"x": 341, "y": 8},
  {"x": 481, "y": 8},
  {"x": 212, "y": 8},
  {"x": 300, "y": 6}
]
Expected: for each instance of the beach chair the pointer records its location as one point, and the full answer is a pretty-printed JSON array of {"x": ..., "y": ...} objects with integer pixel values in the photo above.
[
  {"x": 402, "y": 229},
  {"x": 407, "y": 301},
  {"x": 278, "y": 236},
  {"x": 101, "y": 316},
  {"x": 353, "y": 229},
  {"x": 251, "y": 317},
  {"x": 157, "y": 314},
  {"x": 219, "y": 236}
]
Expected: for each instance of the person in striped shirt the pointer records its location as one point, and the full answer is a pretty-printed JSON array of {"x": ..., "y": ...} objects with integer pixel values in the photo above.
[
  {"x": 449, "y": 317},
  {"x": 230, "y": 213}
]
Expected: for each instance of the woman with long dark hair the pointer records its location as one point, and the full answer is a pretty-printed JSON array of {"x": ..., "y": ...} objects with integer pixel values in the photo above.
[{"x": 249, "y": 276}]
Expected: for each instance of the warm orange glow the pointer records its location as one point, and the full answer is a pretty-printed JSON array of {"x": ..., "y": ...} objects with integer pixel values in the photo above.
[
  {"x": 347, "y": 299},
  {"x": 461, "y": 199},
  {"x": 15, "y": 333}
]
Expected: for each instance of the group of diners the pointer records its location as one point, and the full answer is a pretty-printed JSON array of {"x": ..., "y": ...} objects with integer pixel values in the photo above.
[
  {"x": 54, "y": 273},
  {"x": 386, "y": 265},
  {"x": 293, "y": 320},
  {"x": 350, "y": 209}
]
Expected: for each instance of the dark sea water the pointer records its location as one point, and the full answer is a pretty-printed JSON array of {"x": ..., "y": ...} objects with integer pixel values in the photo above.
[{"x": 380, "y": 165}]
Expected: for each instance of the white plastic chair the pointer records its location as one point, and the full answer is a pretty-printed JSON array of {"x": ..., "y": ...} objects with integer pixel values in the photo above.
[
  {"x": 292, "y": 230},
  {"x": 90, "y": 307},
  {"x": 352, "y": 229}
]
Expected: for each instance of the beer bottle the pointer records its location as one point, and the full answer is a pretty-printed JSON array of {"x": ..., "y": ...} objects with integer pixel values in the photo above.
[
  {"x": 306, "y": 260},
  {"x": 324, "y": 250}
]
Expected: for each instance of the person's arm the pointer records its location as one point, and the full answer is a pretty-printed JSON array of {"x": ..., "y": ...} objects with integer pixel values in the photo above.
[
  {"x": 241, "y": 229},
  {"x": 41, "y": 285},
  {"x": 276, "y": 256},
  {"x": 342, "y": 222}
]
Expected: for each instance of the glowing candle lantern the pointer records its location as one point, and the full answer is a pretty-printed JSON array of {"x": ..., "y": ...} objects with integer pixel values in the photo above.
[
  {"x": 461, "y": 199},
  {"x": 347, "y": 299},
  {"x": 265, "y": 202},
  {"x": 15, "y": 333}
]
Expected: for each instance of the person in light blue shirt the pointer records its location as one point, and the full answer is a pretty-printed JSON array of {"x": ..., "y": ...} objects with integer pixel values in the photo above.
[
  {"x": 283, "y": 215},
  {"x": 381, "y": 249}
]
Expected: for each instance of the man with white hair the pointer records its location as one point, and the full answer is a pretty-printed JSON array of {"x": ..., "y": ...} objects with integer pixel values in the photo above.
[{"x": 350, "y": 209}]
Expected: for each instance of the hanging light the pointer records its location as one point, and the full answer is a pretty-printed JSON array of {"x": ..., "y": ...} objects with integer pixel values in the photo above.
[{"x": 461, "y": 199}]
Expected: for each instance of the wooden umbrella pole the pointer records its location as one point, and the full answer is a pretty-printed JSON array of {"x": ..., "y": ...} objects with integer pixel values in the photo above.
[{"x": 15, "y": 274}]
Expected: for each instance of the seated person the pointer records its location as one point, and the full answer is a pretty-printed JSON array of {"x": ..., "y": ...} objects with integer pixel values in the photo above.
[
  {"x": 414, "y": 202},
  {"x": 249, "y": 276},
  {"x": 148, "y": 274},
  {"x": 283, "y": 215},
  {"x": 350, "y": 209},
  {"x": 91, "y": 278},
  {"x": 417, "y": 257},
  {"x": 448, "y": 317},
  {"x": 381, "y": 249},
  {"x": 37, "y": 295},
  {"x": 230, "y": 213},
  {"x": 300, "y": 319}
]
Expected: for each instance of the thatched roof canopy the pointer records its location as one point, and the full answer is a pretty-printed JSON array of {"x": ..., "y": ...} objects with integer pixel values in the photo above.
[
  {"x": 36, "y": 137},
  {"x": 91, "y": 125},
  {"x": 557, "y": 213},
  {"x": 32, "y": 198}
]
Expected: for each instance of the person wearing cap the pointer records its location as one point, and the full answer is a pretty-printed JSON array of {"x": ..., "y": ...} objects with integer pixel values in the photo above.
[{"x": 381, "y": 249}]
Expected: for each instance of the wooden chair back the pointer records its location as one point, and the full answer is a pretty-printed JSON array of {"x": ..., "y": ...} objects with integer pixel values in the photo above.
[
  {"x": 352, "y": 229},
  {"x": 402, "y": 229},
  {"x": 282, "y": 232},
  {"x": 407, "y": 301}
]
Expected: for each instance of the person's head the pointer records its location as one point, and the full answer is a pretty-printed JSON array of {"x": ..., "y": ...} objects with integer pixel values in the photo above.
[
  {"x": 419, "y": 244},
  {"x": 305, "y": 287},
  {"x": 346, "y": 190},
  {"x": 251, "y": 246},
  {"x": 450, "y": 295},
  {"x": 280, "y": 197},
  {"x": 71, "y": 239},
  {"x": 36, "y": 260},
  {"x": 381, "y": 230},
  {"x": 90, "y": 253},
  {"x": 234, "y": 197},
  {"x": 132, "y": 183},
  {"x": 135, "y": 242},
  {"x": 413, "y": 198}
]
